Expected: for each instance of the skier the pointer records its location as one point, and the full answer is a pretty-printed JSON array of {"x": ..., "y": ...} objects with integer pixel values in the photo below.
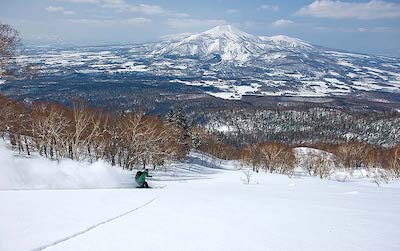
[{"x": 140, "y": 178}]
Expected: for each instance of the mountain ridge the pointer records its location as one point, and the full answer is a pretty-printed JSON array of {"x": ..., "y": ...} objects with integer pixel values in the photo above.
[{"x": 228, "y": 42}]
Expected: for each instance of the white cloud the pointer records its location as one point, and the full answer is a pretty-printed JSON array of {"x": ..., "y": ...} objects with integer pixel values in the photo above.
[
  {"x": 193, "y": 24},
  {"x": 373, "y": 9},
  {"x": 55, "y": 9},
  {"x": 352, "y": 30},
  {"x": 147, "y": 9},
  {"x": 114, "y": 2},
  {"x": 232, "y": 11},
  {"x": 59, "y": 9},
  {"x": 269, "y": 7},
  {"x": 251, "y": 24},
  {"x": 123, "y": 6},
  {"x": 89, "y": 21},
  {"x": 84, "y": 1},
  {"x": 138, "y": 21},
  {"x": 282, "y": 23},
  {"x": 377, "y": 29},
  {"x": 179, "y": 15}
]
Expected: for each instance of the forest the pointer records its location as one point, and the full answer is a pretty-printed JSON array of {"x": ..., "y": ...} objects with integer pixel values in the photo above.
[{"x": 135, "y": 140}]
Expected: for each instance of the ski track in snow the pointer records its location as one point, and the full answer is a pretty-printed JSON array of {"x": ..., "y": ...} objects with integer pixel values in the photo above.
[{"x": 92, "y": 227}]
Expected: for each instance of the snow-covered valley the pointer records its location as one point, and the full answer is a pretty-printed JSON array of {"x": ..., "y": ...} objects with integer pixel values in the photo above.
[
  {"x": 222, "y": 62},
  {"x": 202, "y": 204}
]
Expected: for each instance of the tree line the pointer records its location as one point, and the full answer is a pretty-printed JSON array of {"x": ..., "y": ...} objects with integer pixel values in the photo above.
[
  {"x": 127, "y": 139},
  {"x": 282, "y": 158},
  {"x": 81, "y": 133}
]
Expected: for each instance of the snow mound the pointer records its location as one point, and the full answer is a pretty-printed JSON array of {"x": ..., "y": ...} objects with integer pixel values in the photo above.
[{"x": 40, "y": 173}]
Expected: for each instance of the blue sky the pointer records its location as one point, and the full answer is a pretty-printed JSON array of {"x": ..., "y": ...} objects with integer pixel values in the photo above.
[{"x": 371, "y": 26}]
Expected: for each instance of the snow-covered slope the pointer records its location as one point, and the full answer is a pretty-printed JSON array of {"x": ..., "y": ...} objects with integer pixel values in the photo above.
[
  {"x": 205, "y": 209},
  {"x": 282, "y": 41},
  {"x": 23, "y": 172}
]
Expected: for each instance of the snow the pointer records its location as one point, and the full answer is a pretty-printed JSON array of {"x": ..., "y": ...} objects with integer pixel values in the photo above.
[
  {"x": 226, "y": 30},
  {"x": 227, "y": 88},
  {"x": 351, "y": 75},
  {"x": 245, "y": 89},
  {"x": 89, "y": 71},
  {"x": 286, "y": 41},
  {"x": 225, "y": 40},
  {"x": 345, "y": 63},
  {"x": 41, "y": 173},
  {"x": 133, "y": 68},
  {"x": 204, "y": 206},
  {"x": 225, "y": 95},
  {"x": 345, "y": 54},
  {"x": 223, "y": 128}
]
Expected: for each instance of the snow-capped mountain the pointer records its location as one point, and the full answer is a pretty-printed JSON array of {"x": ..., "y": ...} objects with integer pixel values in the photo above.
[
  {"x": 225, "y": 41},
  {"x": 239, "y": 63},
  {"x": 228, "y": 63},
  {"x": 230, "y": 44}
]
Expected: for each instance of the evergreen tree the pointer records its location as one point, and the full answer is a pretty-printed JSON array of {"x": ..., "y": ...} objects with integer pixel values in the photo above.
[{"x": 177, "y": 119}]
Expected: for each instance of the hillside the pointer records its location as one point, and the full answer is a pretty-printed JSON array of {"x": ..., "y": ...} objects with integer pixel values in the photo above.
[{"x": 200, "y": 206}]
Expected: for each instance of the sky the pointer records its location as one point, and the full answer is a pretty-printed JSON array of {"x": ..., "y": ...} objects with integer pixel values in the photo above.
[{"x": 368, "y": 26}]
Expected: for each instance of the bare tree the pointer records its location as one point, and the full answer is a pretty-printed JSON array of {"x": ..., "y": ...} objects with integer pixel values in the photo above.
[
  {"x": 318, "y": 164},
  {"x": 7, "y": 110},
  {"x": 12, "y": 116},
  {"x": 277, "y": 156},
  {"x": 352, "y": 155},
  {"x": 9, "y": 42},
  {"x": 10, "y": 49},
  {"x": 393, "y": 160},
  {"x": 82, "y": 129},
  {"x": 248, "y": 173},
  {"x": 252, "y": 156},
  {"x": 148, "y": 141},
  {"x": 48, "y": 126},
  {"x": 81, "y": 133},
  {"x": 112, "y": 136}
]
